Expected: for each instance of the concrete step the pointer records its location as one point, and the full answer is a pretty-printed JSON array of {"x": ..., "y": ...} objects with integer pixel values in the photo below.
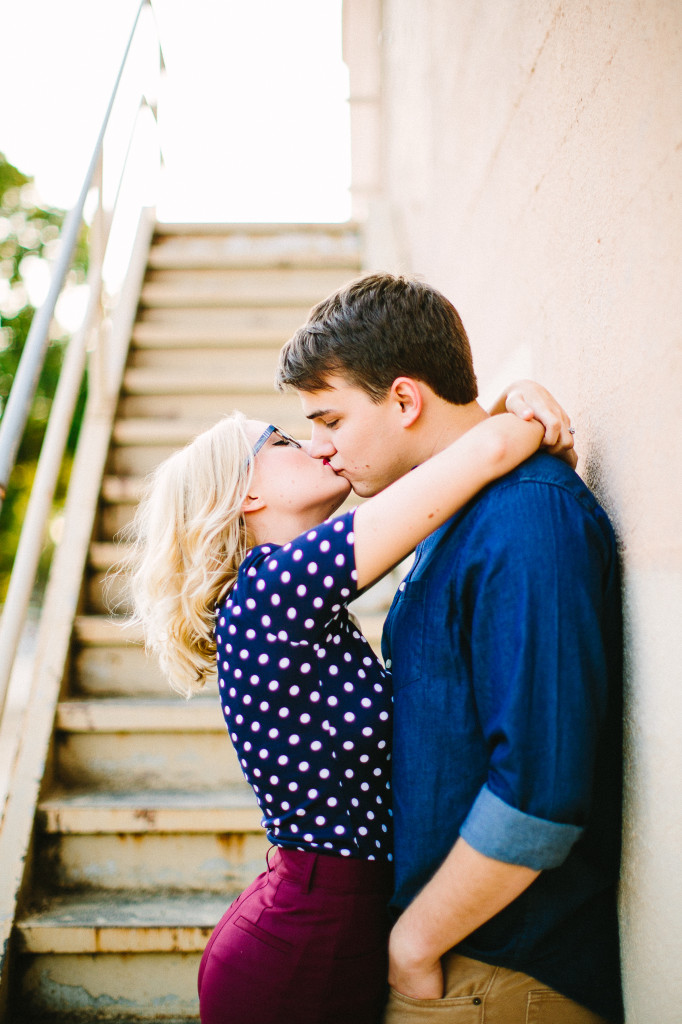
[
  {"x": 271, "y": 406},
  {"x": 119, "y": 922},
  {"x": 241, "y": 251},
  {"x": 224, "y": 288},
  {"x": 243, "y": 381},
  {"x": 236, "y": 365},
  {"x": 115, "y": 955},
  {"x": 228, "y": 326},
  {"x": 113, "y": 987},
  {"x": 233, "y": 809},
  {"x": 121, "y": 745},
  {"x": 260, "y": 246},
  {"x": 203, "y": 842}
]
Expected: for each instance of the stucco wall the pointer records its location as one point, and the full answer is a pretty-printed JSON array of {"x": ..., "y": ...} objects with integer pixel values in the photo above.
[{"x": 531, "y": 165}]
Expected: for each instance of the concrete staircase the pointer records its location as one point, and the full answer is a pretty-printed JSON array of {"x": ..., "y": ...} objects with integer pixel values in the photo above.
[{"x": 145, "y": 829}]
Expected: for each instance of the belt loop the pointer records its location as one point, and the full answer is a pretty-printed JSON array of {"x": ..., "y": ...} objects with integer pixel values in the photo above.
[{"x": 308, "y": 871}]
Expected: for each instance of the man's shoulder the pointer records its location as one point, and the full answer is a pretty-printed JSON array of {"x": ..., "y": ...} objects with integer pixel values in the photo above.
[
  {"x": 529, "y": 503},
  {"x": 535, "y": 480}
]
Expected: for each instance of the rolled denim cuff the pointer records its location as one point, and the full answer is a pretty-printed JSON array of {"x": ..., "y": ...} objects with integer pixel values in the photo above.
[{"x": 497, "y": 830}]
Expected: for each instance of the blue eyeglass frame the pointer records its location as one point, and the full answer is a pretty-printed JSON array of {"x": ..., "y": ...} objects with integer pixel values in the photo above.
[{"x": 267, "y": 433}]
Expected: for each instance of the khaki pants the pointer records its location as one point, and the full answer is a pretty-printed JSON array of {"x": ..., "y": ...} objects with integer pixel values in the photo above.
[{"x": 476, "y": 993}]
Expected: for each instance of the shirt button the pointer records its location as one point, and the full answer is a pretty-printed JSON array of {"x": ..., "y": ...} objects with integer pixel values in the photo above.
[{"x": 476, "y": 1001}]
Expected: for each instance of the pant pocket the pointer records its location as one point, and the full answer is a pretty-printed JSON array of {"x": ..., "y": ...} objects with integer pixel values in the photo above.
[
  {"x": 274, "y": 941},
  {"x": 549, "y": 1007},
  {"x": 402, "y": 1009}
]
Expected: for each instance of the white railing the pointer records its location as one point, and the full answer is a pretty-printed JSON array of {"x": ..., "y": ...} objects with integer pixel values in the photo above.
[{"x": 89, "y": 343}]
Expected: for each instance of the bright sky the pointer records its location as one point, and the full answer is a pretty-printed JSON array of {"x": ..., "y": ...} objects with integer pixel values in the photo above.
[{"x": 253, "y": 114}]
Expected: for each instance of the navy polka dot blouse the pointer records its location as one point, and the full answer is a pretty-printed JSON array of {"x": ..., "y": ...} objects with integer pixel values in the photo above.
[{"x": 306, "y": 701}]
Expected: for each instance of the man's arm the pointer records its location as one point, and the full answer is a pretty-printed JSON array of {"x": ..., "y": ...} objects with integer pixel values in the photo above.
[
  {"x": 466, "y": 891},
  {"x": 529, "y": 596}
]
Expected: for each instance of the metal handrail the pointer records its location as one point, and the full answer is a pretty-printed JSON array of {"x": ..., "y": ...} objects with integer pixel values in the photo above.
[{"x": 16, "y": 413}]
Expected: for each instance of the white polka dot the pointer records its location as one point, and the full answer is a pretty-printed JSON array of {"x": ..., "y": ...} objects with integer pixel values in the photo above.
[
  {"x": 349, "y": 773},
  {"x": 264, "y": 706},
  {"x": 293, "y": 786},
  {"x": 294, "y": 690},
  {"x": 332, "y": 700},
  {"x": 263, "y": 659},
  {"x": 255, "y": 726},
  {"x": 309, "y": 623},
  {"x": 338, "y": 525},
  {"x": 301, "y": 590},
  {"x": 339, "y": 830},
  {"x": 260, "y": 585},
  {"x": 312, "y": 568},
  {"x": 294, "y": 739},
  {"x": 328, "y": 581},
  {"x": 312, "y": 535},
  {"x": 273, "y": 685},
  {"x": 312, "y": 794},
  {"x": 324, "y": 773},
  {"x": 254, "y": 680},
  {"x": 366, "y": 702},
  {"x": 325, "y": 545},
  {"x": 297, "y": 555},
  {"x": 332, "y": 801},
  {"x": 247, "y": 698},
  {"x": 303, "y": 766},
  {"x": 284, "y": 662},
  {"x": 308, "y": 837},
  {"x": 274, "y": 780},
  {"x": 273, "y": 733},
  {"x": 291, "y": 613},
  {"x": 282, "y": 759},
  {"x": 243, "y": 655},
  {"x": 319, "y": 820},
  {"x": 333, "y": 670},
  {"x": 316, "y": 745},
  {"x": 266, "y": 620},
  {"x": 305, "y": 668},
  {"x": 275, "y": 599},
  {"x": 315, "y": 696},
  {"x": 318, "y": 602},
  {"x": 250, "y": 603},
  {"x": 283, "y": 712},
  {"x": 304, "y": 719},
  {"x": 340, "y": 560},
  {"x": 262, "y": 754}
]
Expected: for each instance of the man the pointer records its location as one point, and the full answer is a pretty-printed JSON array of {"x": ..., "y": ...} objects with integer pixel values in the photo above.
[{"x": 504, "y": 644}]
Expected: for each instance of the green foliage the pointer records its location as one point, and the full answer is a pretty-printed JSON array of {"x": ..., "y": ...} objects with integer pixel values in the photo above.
[{"x": 28, "y": 236}]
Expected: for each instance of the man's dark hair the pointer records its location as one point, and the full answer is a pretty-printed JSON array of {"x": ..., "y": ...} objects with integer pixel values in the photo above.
[{"x": 376, "y": 329}]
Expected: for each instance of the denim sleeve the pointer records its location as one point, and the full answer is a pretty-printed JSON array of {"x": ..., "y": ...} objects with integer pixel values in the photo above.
[{"x": 532, "y": 590}]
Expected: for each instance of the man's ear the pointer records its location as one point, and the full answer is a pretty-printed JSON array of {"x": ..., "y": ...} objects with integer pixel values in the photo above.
[
  {"x": 252, "y": 503},
  {"x": 406, "y": 393}
]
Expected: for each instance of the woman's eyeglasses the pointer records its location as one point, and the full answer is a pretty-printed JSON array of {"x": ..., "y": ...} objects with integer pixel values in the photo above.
[{"x": 268, "y": 432}]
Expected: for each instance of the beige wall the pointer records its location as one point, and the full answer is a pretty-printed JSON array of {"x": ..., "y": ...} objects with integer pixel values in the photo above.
[{"x": 531, "y": 167}]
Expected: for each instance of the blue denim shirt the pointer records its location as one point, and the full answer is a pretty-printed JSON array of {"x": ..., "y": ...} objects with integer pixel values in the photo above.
[{"x": 505, "y": 646}]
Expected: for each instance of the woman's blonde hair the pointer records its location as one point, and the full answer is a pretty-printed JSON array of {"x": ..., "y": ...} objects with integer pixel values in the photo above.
[{"x": 188, "y": 539}]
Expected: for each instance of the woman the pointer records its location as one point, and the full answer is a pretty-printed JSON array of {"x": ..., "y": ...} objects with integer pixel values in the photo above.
[{"x": 236, "y": 560}]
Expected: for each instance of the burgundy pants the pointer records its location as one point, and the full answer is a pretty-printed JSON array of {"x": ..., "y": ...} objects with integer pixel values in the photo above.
[{"x": 306, "y": 943}]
